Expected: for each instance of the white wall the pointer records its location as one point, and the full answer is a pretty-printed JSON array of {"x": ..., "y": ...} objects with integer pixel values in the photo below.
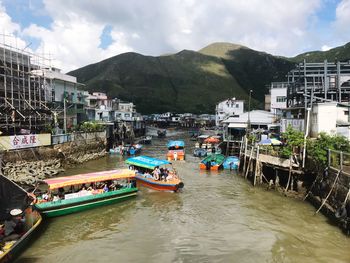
[
  {"x": 278, "y": 93},
  {"x": 323, "y": 118},
  {"x": 228, "y": 108}
]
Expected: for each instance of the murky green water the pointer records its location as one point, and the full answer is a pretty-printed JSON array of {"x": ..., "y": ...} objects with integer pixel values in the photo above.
[{"x": 219, "y": 217}]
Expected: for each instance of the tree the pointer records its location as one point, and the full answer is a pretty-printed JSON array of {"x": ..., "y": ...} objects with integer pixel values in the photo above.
[
  {"x": 293, "y": 140},
  {"x": 317, "y": 149}
]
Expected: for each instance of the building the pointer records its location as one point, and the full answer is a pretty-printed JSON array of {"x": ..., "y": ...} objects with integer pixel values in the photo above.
[
  {"x": 68, "y": 99},
  {"x": 323, "y": 89},
  {"x": 25, "y": 97},
  {"x": 227, "y": 108},
  {"x": 276, "y": 102},
  {"x": 235, "y": 126}
]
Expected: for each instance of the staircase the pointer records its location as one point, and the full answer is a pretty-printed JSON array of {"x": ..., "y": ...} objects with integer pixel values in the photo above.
[{"x": 232, "y": 148}]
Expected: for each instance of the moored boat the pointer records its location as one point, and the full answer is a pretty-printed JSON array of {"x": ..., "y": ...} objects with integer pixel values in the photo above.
[
  {"x": 176, "y": 150},
  {"x": 146, "y": 140},
  {"x": 212, "y": 162},
  {"x": 231, "y": 163},
  {"x": 150, "y": 175},
  {"x": 107, "y": 187},
  {"x": 12, "y": 196},
  {"x": 199, "y": 152},
  {"x": 126, "y": 149},
  {"x": 161, "y": 134}
]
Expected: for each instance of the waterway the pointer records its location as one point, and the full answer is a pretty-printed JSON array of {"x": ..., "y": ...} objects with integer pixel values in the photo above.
[{"x": 218, "y": 217}]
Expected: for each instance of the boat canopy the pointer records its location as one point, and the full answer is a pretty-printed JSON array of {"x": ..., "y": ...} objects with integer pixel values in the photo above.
[
  {"x": 146, "y": 162},
  {"x": 176, "y": 144},
  {"x": 58, "y": 182}
]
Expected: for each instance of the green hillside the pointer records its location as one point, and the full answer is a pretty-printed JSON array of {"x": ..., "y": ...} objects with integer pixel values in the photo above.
[
  {"x": 341, "y": 53},
  {"x": 185, "y": 82},
  {"x": 191, "y": 81}
]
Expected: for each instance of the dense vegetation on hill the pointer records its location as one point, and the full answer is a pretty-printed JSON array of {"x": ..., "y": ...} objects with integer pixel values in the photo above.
[{"x": 191, "y": 81}]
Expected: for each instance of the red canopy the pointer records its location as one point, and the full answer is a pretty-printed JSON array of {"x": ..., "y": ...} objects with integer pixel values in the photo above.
[{"x": 211, "y": 140}]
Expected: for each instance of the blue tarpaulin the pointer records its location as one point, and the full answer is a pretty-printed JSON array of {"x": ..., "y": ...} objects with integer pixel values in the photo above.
[
  {"x": 146, "y": 162},
  {"x": 175, "y": 144}
]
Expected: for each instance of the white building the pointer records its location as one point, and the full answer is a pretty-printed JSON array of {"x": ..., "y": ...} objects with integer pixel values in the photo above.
[
  {"x": 227, "y": 108},
  {"x": 235, "y": 127},
  {"x": 329, "y": 118},
  {"x": 278, "y": 97}
]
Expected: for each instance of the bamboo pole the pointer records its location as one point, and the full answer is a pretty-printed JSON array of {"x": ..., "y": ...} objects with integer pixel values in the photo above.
[
  {"x": 256, "y": 165},
  {"x": 250, "y": 158},
  {"x": 330, "y": 191},
  {"x": 290, "y": 173}
]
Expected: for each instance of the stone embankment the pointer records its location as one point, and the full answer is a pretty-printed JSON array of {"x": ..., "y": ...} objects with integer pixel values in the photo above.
[{"x": 28, "y": 166}]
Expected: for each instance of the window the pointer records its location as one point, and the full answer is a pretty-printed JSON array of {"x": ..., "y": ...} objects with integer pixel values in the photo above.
[
  {"x": 237, "y": 105},
  {"x": 346, "y": 112},
  {"x": 281, "y": 99}
]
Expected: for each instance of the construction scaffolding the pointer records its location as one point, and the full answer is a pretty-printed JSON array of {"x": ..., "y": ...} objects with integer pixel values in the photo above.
[
  {"x": 318, "y": 82},
  {"x": 25, "y": 96}
]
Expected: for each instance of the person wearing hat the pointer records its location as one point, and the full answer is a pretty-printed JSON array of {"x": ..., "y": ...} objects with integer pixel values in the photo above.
[{"x": 14, "y": 225}]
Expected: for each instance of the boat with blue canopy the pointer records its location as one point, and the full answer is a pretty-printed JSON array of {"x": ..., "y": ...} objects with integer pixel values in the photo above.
[
  {"x": 176, "y": 150},
  {"x": 153, "y": 173}
]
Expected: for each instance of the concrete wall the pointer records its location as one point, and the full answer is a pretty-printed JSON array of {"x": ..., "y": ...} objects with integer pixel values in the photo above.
[{"x": 278, "y": 94}]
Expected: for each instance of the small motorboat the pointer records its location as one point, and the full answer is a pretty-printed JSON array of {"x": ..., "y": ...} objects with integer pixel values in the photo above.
[
  {"x": 199, "y": 152},
  {"x": 161, "y": 134},
  {"x": 11, "y": 195},
  {"x": 176, "y": 150},
  {"x": 231, "y": 163},
  {"x": 145, "y": 166},
  {"x": 212, "y": 162},
  {"x": 126, "y": 149},
  {"x": 146, "y": 140}
]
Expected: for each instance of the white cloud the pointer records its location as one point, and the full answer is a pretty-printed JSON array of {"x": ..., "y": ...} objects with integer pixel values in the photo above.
[
  {"x": 325, "y": 48},
  {"x": 342, "y": 22},
  {"x": 161, "y": 26}
]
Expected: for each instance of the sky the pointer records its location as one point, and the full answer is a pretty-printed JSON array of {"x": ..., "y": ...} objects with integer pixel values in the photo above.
[{"x": 75, "y": 33}]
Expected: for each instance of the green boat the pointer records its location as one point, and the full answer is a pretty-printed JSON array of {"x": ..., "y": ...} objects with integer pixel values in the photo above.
[
  {"x": 55, "y": 203},
  {"x": 212, "y": 162}
]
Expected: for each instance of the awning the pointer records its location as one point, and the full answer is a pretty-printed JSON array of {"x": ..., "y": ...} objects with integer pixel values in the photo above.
[
  {"x": 146, "y": 162},
  {"x": 176, "y": 144},
  {"x": 237, "y": 125},
  {"x": 58, "y": 182}
]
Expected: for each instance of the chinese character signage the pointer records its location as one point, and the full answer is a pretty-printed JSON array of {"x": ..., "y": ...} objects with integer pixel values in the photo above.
[{"x": 24, "y": 141}]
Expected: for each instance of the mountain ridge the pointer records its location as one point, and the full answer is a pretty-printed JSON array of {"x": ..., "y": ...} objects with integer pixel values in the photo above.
[{"x": 193, "y": 81}]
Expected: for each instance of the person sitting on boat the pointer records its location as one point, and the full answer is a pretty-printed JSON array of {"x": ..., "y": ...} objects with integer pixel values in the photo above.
[
  {"x": 175, "y": 155},
  {"x": 155, "y": 174},
  {"x": 208, "y": 165},
  {"x": 47, "y": 196},
  {"x": 56, "y": 198},
  {"x": 105, "y": 188},
  {"x": 61, "y": 193},
  {"x": 147, "y": 175},
  {"x": 14, "y": 225}
]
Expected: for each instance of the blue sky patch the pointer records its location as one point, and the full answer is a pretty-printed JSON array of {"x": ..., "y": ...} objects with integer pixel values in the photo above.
[{"x": 106, "y": 38}]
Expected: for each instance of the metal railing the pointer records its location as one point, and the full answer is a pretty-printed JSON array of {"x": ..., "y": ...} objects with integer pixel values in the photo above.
[{"x": 339, "y": 160}]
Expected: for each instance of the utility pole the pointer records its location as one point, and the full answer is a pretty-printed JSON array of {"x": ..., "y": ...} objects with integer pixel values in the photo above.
[
  {"x": 64, "y": 114},
  {"x": 248, "y": 124}
]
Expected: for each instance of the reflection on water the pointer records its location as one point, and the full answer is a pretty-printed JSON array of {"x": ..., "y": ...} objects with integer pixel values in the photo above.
[{"x": 218, "y": 217}]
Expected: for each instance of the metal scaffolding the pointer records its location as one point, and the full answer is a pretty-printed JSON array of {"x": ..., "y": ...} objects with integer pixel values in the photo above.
[
  {"x": 318, "y": 82},
  {"x": 25, "y": 96}
]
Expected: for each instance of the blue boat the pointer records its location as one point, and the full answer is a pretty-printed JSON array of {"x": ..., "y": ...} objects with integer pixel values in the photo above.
[
  {"x": 172, "y": 145},
  {"x": 176, "y": 150},
  {"x": 231, "y": 163},
  {"x": 200, "y": 152},
  {"x": 145, "y": 166}
]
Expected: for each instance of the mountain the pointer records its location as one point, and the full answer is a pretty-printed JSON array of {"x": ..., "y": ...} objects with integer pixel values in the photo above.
[
  {"x": 341, "y": 53},
  {"x": 191, "y": 81}
]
